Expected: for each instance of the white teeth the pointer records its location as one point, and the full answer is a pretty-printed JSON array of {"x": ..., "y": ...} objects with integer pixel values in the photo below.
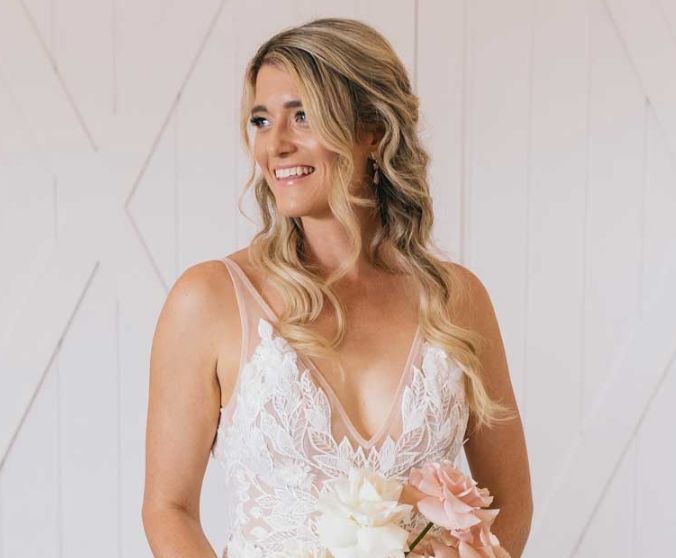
[{"x": 293, "y": 171}]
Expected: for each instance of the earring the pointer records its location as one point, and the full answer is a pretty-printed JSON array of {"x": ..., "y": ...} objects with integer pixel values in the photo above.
[{"x": 376, "y": 178}]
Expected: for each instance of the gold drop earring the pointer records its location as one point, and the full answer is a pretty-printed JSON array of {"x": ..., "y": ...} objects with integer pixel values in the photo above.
[{"x": 376, "y": 177}]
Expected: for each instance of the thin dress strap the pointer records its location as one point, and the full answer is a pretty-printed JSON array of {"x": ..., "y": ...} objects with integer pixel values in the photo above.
[{"x": 250, "y": 312}]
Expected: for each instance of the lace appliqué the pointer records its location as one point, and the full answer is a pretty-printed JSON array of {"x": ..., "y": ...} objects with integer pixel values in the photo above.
[{"x": 279, "y": 447}]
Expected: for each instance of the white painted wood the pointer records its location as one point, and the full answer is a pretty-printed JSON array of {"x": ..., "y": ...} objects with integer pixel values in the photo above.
[
  {"x": 207, "y": 144},
  {"x": 659, "y": 236},
  {"x": 637, "y": 375},
  {"x": 308, "y": 10},
  {"x": 440, "y": 86},
  {"x": 612, "y": 252},
  {"x": 398, "y": 27},
  {"x": 28, "y": 351},
  {"x": 551, "y": 128},
  {"x": 41, "y": 13},
  {"x": 90, "y": 454},
  {"x": 650, "y": 44},
  {"x": 157, "y": 46},
  {"x": 152, "y": 206},
  {"x": 47, "y": 106},
  {"x": 614, "y": 516},
  {"x": 556, "y": 204},
  {"x": 499, "y": 36},
  {"x": 31, "y": 480},
  {"x": 669, "y": 9},
  {"x": 614, "y": 209},
  {"x": 27, "y": 212},
  {"x": 2, "y": 536},
  {"x": 656, "y": 461},
  {"x": 78, "y": 52}
]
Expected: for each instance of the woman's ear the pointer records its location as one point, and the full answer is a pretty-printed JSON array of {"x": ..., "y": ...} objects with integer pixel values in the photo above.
[
  {"x": 377, "y": 136},
  {"x": 370, "y": 137}
]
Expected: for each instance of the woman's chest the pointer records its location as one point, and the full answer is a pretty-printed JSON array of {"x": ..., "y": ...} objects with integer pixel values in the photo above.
[
  {"x": 380, "y": 343},
  {"x": 282, "y": 412}
]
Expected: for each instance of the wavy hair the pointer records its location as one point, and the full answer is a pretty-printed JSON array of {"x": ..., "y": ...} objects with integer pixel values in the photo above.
[{"x": 350, "y": 80}]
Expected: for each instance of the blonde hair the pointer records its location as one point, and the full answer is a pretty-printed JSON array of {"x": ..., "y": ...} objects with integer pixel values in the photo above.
[{"x": 350, "y": 79}]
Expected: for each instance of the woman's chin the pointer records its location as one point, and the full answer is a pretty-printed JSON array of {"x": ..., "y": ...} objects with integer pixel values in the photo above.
[{"x": 285, "y": 210}]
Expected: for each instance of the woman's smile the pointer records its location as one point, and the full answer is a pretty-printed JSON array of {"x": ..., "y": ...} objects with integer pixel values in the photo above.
[{"x": 289, "y": 176}]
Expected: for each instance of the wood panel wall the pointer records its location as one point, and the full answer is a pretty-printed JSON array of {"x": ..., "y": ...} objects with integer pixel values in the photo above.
[{"x": 552, "y": 130}]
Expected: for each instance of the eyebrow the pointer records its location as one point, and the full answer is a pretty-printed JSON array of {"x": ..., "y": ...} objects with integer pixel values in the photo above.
[{"x": 289, "y": 104}]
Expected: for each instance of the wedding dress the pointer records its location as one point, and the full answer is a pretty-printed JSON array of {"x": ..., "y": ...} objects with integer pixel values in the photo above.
[{"x": 284, "y": 432}]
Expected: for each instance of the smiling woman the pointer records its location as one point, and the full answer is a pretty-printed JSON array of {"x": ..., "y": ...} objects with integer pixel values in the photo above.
[
  {"x": 287, "y": 149},
  {"x": 337, "y": 338}
]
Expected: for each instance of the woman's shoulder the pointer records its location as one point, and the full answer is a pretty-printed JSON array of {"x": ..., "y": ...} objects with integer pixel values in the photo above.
[
  {"x": 206, "y": 301},
  {"x": 205, "y": 288},
  {"x": 460, "y": 270},
  {"x": 210, "y": 277},
  {"x": 473, "y": 303},
  {"x": 468, "y": 278}
]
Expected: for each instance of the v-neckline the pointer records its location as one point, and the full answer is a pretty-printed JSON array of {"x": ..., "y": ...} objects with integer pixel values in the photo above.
[{"x": 325, "y": 386}]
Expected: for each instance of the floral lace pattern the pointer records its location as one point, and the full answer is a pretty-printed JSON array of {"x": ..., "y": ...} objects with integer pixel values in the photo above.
[{"x": 278, "y": 447}]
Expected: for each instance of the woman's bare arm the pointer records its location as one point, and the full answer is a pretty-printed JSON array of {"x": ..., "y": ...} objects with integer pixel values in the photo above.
[
  {"x": 183, "y": 410},
  {"x": 498, "y": 457}
]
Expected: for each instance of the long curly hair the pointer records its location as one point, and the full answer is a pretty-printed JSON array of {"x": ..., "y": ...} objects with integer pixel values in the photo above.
[{"x": 350, "y": 79}]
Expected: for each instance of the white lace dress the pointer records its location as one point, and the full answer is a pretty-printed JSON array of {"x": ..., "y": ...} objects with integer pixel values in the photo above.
[{"x": 284, "y": 432}]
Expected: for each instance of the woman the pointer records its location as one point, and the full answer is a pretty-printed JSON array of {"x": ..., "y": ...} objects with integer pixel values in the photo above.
[{"x": 338, "y": 337}]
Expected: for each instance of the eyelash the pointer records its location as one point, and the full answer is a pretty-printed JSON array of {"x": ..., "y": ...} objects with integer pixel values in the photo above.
[{"x": 256, "y": 120}]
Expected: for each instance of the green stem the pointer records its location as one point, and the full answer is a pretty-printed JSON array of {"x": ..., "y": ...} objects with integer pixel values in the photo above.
[{"x": 420, "y": 536}]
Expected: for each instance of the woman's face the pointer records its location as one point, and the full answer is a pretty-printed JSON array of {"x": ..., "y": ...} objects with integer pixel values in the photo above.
[{"x": 284, "y": 140}]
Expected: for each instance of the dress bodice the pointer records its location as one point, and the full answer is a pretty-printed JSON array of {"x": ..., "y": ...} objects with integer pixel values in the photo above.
[{"x": 283, "y": 432}]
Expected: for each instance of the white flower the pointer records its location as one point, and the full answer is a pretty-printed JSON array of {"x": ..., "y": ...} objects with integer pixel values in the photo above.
[{"x": 361, "y": 514}]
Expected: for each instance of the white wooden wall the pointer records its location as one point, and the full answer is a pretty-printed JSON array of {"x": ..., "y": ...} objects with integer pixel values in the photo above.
[{"x": 552, "y": 127}]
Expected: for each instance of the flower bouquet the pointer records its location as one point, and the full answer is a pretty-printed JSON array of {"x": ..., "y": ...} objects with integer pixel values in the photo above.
[{"x": 361, "y": 515}]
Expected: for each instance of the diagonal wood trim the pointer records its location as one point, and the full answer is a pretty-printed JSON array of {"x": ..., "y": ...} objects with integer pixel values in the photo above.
[
  {"x": 611, "y": 424},
  {"x": 648, "y": 41},
  {"x": 42, "y": 325}
]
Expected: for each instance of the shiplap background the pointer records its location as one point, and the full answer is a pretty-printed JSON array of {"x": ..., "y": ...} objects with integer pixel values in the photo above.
[{"x": 552, "y": 130}]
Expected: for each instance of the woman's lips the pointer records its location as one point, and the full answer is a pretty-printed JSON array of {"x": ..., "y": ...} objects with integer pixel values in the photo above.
[{"x": 291, "y": 180}]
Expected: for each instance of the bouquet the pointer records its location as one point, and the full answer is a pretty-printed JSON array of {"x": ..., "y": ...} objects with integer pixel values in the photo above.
[{"x": 361, "y": 515}]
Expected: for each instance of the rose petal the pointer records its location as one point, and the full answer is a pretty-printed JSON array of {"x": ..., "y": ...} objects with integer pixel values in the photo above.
[
  {"x": 336, "y": 530},
  {"x": 433, "y": 548},
  {"x": 433, "y": 510},
  {"x": 425, "y": 483},
  {"x": 440, "y": 550},
  {"x": 384, "y": 539},
  {"x": 348, "y": 552},
  {"x": 468, "y": 551}
]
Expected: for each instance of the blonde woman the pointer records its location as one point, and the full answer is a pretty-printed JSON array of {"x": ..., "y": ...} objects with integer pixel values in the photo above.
[{"x": 338, "y": 337}]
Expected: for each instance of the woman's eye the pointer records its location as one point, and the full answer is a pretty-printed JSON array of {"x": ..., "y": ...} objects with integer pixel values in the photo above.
[
  {"x": 256, "y": 121},
  {"x": 303, "y": 113}
]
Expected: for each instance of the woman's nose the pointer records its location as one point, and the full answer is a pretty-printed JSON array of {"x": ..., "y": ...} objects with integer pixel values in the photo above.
[{"x": 280, "y": 140}]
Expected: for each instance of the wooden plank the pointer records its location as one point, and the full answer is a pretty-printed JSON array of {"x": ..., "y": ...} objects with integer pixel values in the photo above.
[
  {"x": 498, "y": 151},
  {"x": 656, "y": 461},
  {"x": 650, "y": 44},
  {"x": 89, "y": 446},
  {"x": 33, "y": 342},
  {"x": 31, "y": 482},
  {"x": 440, "y": 85},
  {"x": 555, "y": 242},
  {"x": 616, "y": 415}
]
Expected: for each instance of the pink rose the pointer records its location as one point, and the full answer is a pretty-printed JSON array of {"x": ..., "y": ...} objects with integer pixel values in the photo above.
[
  {"x": 432, "y": 547},
  {"x": 478, "y": 541},
  {"x": 450, "y": 498}
]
